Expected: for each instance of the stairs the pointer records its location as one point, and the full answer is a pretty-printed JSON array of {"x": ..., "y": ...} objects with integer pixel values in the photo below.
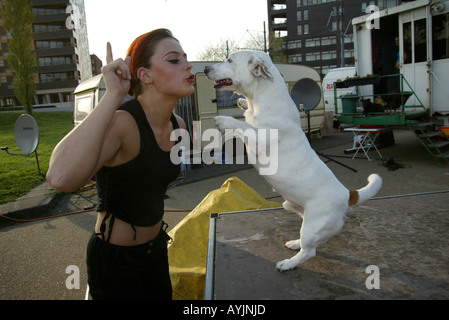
[{"x": 433, "y": 139}]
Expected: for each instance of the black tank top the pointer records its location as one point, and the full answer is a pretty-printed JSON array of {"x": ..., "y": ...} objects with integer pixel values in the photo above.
[{"x": 134, "y": 191}]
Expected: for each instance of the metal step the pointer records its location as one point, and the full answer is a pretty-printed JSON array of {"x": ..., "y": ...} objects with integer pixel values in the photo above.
[
  {"x": 439, "y": 144},
  {"x": 424, "y": 124},
  {"x": 443, "y": 155},
  {"x": 429, "y": 134},
  {"x": 433, "y": 141}
]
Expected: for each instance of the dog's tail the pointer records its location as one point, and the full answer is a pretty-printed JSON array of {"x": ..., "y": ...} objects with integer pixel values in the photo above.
[{"x": 361, "y": 195}]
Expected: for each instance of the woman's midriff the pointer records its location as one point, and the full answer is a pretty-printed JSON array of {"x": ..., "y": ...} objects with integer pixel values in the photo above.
[{"x": 123, "y": 234}]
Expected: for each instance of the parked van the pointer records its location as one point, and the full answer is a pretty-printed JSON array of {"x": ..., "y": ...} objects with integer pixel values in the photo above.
[{"x": 328, "y": 87}]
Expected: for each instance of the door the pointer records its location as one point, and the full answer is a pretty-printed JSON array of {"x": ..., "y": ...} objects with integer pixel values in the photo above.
[
  {"x": 440, "y": 63},
  {"x": 363, "y": 56},
  {"x": 414, "y": 54}
]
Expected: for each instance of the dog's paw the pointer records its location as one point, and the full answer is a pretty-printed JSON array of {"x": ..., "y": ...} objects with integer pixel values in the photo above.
[
  {"x": 293, "y": 245},
  {"x": 286, "y": 265},
  {"x": 242, "y": 103},
  {"x": 224, "y": 122}
]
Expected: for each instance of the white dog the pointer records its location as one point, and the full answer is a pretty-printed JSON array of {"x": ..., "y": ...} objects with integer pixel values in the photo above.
[{"x": 308, "y": 186}]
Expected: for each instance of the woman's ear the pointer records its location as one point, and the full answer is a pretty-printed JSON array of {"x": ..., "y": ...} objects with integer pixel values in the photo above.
[{"x": 144, "y": 76}]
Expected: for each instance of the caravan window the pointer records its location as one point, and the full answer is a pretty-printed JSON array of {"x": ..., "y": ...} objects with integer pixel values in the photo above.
[
  {"x": 407, "y": 42},
  {"x": 83, "y": 106},
  {"x": 415, "y": 41},
  {"x": 227, "y": 99},
  {"x": 440, "y": 27},
  {"x": 420, "y": 41}
]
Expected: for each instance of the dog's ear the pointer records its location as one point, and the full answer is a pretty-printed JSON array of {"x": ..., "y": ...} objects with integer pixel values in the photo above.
[{"x": 258, "y": 68}]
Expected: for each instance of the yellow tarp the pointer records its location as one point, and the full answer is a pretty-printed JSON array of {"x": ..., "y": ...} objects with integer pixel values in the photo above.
[{"x": 188, "y": 253}]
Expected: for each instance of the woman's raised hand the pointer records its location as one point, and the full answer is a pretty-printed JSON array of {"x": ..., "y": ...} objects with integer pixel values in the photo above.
[{"x": 116, "y": 73}]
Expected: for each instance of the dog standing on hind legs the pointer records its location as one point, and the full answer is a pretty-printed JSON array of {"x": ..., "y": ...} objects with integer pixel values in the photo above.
[{"x": 308, "y": 186}]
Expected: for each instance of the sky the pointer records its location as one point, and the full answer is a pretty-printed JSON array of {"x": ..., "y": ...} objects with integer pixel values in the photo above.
[{"x": 195, "y": 23}]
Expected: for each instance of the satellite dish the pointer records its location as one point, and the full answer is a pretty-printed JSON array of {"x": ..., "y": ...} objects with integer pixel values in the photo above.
[
  {"x": 27, "y": 134},
  {"x": 306, "y": 92}
]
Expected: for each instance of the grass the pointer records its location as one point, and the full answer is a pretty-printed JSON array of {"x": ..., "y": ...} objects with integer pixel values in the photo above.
[{"x": 18, "y": 174}]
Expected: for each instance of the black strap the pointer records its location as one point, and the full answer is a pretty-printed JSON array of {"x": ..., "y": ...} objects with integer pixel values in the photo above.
[
  {"x": 111, "y": 224},
  {"x": 135, "y": 231},
  {"x": 103, "y": 226}
]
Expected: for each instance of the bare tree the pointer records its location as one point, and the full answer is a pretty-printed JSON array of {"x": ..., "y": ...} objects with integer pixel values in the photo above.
[
  {"x": 219, "y": 51},
  {"x": 254, "y": 41}
]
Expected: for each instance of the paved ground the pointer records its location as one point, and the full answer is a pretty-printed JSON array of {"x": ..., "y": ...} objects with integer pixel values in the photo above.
[{"x": 38, "y": 258}]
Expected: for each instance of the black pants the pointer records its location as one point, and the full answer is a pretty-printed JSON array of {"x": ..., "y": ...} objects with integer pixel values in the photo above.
[{"x": 137, "y": 272}]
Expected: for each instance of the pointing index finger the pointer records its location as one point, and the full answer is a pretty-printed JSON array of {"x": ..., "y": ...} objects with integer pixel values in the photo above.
[{"x": 109, "y": 57}]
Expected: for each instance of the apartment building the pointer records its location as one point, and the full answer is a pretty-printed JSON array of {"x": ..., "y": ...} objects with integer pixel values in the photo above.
[
  {"x": 62, "y": 49},
  {"x": 318, "y": 33}
]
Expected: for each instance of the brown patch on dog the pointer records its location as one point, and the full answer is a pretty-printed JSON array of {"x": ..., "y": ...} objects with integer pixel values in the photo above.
[{"x": 353, "y": 198}]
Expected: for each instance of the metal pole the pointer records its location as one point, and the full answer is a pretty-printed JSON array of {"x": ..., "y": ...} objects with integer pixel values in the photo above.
[
  {"x": 37, "y": 161},
  {"x": 264, "y": 38},
  {"x": 343, "y": 63},
  {"x": 210, "y": 264}
]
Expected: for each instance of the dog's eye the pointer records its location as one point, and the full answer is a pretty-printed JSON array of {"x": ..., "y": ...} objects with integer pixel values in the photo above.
[{"x": 230, "y": 60}]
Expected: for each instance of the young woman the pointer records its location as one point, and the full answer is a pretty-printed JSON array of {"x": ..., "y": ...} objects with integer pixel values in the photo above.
[{"x": 127, "y": 147}]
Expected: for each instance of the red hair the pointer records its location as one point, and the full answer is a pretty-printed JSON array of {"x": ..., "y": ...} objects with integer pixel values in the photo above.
[{"x": 141, "y": 51}]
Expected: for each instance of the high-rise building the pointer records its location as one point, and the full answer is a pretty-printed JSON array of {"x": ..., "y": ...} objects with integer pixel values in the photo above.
[
  {"x": 62, "y": 49},
  {"x": 313, "y": 31}
]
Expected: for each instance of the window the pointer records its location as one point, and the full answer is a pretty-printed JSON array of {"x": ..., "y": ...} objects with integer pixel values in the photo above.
[
  {"x": 440, "y": 42},
  {"x": 302, "y": 15},
  {"x": 295, "y": 58},
  {"x": 327, "y": 41},
  {"x": 306, "y": 29},
  {"x": 407, "y": 42},
  {"x": 420, "y": 40},
  {"x": 323, "y": 41},
  {"x": 349, "y": 53},
  {"x": 52, "y": 61},
  {"x": 366, "y": 4},
  {"x": 52, "y": 77},
  {"x": 40, "y": 44},
  {"x": 329, "y": 55},
  {"x": 313, "y": 56},
  {"x": 227, "y": 99},
  {"x": 303, "y": 3},
  {"x": 299, "y": 30},
  {"x": 297, "y": 44}
]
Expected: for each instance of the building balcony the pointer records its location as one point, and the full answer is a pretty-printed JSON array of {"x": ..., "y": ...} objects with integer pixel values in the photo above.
[
  {"x": 279, "y": 26},
  {"x": 45, "y": 18},
  {"x": 281, "y": 13},
  {"x": 57, "y": 68},
  {"x": 49, "y": 2},
  {"x": 273, "y": 2},
  {"x": 67, "y": 34},
  {"x": 55, "y": 51},
  {"x": 68, "y": 84}
]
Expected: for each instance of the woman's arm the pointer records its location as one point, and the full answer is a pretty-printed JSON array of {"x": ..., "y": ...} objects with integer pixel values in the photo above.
[{"x": 80, "y": 154}]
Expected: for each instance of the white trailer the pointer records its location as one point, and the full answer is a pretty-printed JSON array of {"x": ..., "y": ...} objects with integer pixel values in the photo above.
[
  {"x": 422, "y": 30},
  {"x": 402, "y": 65}
]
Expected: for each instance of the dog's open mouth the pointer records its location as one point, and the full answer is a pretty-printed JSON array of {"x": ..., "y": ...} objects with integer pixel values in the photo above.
[{"x": 221, "y": 83}]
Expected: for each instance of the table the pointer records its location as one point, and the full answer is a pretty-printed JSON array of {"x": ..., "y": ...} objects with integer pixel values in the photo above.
[{"x": 364, "y": 140}]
